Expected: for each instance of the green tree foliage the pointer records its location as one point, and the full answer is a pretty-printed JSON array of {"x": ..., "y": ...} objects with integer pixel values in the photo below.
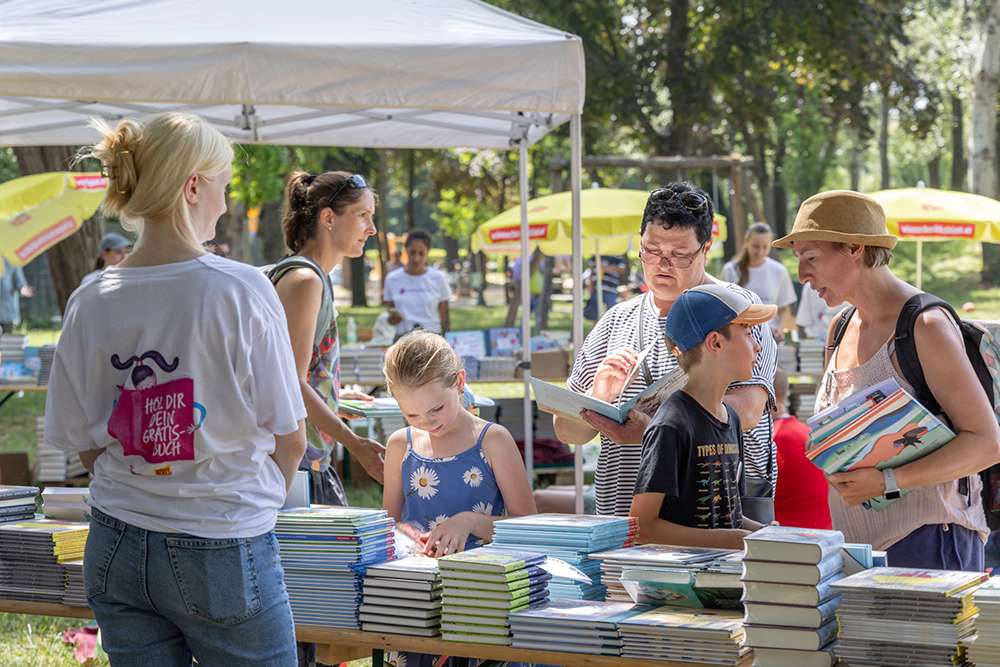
[{"x": 8, "y": 164}]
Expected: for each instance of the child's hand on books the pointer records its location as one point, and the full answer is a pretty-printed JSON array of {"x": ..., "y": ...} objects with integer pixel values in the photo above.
[
  {"x": 859, "y": 485},
  {"x": 609, "y": 378},
  {"x": 449, "y": 536},
  {"x": 629, "y": 433}
]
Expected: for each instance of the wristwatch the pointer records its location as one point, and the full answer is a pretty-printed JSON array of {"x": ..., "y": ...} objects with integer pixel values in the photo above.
[{"x": 892, "y": 491}]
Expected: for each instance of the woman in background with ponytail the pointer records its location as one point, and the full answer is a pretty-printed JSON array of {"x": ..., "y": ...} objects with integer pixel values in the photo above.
[
  {"x": 174, "y": 381},
  {"x": 326, "y": 218},
  {"x": 767, "y": 278}
]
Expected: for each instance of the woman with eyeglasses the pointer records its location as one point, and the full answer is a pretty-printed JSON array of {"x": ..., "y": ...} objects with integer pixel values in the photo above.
[
  {"x": 326, "y": 218},
  {"x": 767, "y": 278},
  {"x": 676, "y": 235}
]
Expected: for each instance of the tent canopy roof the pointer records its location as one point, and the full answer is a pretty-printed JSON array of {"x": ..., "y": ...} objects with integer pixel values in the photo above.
[{"x": 390, "y": 73}]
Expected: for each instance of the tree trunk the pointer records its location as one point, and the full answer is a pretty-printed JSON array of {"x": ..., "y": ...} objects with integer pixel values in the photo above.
[
  {"x": 481, "y": 296},
  {"x": 269, "y": 231},
  {"x": 411, "y": 184},
  {"x": 358, "y": 281},
  {"x": 983, "y": 148},
  {"x": 678, "y": 80},
  {"x": 382, "y": 185},
  {"x": 545, "y": 301},
  {"x": 959, "y": 167},
  {"x": 72, "y": 258},
  {"x": 857, "y": 159},
  {"x": 780, "y": 220},
  {"x": 450, "y": 252},
  {"x": 883, "y": 142},
  {"x": 934, "y": 172}
]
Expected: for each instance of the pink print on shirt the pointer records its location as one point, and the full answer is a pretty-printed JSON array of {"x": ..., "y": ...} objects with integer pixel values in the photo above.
[{"x": 152, "y": 420}]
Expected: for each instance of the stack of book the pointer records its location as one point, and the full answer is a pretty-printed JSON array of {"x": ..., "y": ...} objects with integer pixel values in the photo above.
[
  {"x": 12, "y": 359},
  {"x": 572, "y": 626},
  {"x": 649, "y": 557},
  {"x": 45, "y": 355},
  {"x": 402, "y": 597},
  {"x": 571, "y": 538},
  {"x": 17, "y": 503},
  {"x": 718, "y": 588},
  {"x": 33, "y": 555},
  {"x": 789, "y": 632},
  {"x": 681, "y": 634},
  {"x": 812, "y": 356},
  {"x": 324, "y": 552},
  {"x": 75, "y": 595},
  {"x": 788, "y": 357},
  {"x": 904, "y": 616},
  {"x": 66, "y": 503},
  {"x": 379, "y": 407},
  {"x": 55, "y": 465},
  {"x": 481, "y": 586},
  {"x": 985, "y": 650}
]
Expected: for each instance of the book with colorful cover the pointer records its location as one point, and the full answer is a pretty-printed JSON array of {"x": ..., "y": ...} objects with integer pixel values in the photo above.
[
  {"x": 792, "y": 573},
  {"x": 424, "y": 569},
  {"x": 377, "y": 407},
  {"x": 794, "y": 594},
  {"x": 665, "y": 586},
  {"x": 715, "y": 622},
  {"x": 504, "y": 342},
  {"x": 892, "y": 433},
  {"x": 567, "y": 403},
  {"x": 924, "y": 583},
  {"x": 589, "y": 613},
  {"x": 530, "y": 572},
  {"x": 573, "y": 523},
  {"x": 659, "y": 554},
  {"x": 542, "y": 342},
  {"x": 864, "y": 398},
  {"x": 467, "y": 343},
  {"x": 489, "y": 560},
  {"x": 475, "y": 603},
  {"x": 792, "y": 545},
  {"x": 456, "y": 586},
  {"x": 332, "y": 514}
]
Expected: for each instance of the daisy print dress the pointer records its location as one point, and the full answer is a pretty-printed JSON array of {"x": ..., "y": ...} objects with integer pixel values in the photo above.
[{"x": 438, "y": 489}]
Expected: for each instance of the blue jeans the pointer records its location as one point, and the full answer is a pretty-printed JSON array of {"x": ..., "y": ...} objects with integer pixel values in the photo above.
[
  {"x": 160, "y": 598},
  {"x": 931, "y": 547}
]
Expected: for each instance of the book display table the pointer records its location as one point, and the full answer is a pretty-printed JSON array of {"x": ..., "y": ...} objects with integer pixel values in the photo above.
[
  {"x": 335, "y": 645},
  {"x": 12, "y": 389}
]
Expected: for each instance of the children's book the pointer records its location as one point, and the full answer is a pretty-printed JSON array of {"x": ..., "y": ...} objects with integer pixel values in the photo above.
[
  {"x": 481, "y": 594},
  {"x": 481, "y": 603},
  {"x": 787, "y": 657},
  {"x": 795, "y": 594},
  {"x": 792, "y": 573},
  {"x": 467, "y": 343},
  {"x": 424, "y": 569},
  {"x": 804, "y": 639},
  {"x": 716, "y": 623},
  {"x": 662, "y": 555},
  {"x": 894, "y": 432},
  {"x": 676, "y": 587},
  {"x": 456, "y": 585},
  {"x": 792, "y": 545},
  {"x": 864, "y": 398},
  {"x": 399, "y": 630},
  {"x": 791, "y": 616},
  {"x": 499, "y": 578},
  {"x": 927, "y": 583},
  {"x": 504, "y": 342},
  {"x": 567, "y": 403},
  {"x": 490, "y": 560},
  {"x": 541, "y": 342},
  {"x": 578, "y": 613}
]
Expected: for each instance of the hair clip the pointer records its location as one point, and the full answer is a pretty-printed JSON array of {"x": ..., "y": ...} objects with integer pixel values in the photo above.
[{"x": 118, "y": 168}]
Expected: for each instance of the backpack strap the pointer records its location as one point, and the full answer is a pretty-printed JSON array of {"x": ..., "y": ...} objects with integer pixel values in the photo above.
[
  {"x": 838, "y": 331},
  {"x": 906, "y": 347},
  {"x": 290, "y": 262}
]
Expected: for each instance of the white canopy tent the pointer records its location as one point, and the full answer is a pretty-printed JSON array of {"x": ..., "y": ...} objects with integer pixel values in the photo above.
[{"x": 382, "y": 73}]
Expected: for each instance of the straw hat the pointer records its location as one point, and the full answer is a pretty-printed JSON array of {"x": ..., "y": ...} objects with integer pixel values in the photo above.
[{"x": 841, "y": 216}]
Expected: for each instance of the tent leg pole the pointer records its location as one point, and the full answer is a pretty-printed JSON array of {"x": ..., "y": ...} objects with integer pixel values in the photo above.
[
  {"x": 529, "y": 449},
  {"x": 575, "y": 177},
  {"x": 599, "y": 277},
  {"x": 920, "y": 263}
]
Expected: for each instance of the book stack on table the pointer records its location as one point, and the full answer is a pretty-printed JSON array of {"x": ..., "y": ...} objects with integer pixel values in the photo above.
[
  {"x": 324, "y": 552},
  {"x": 906, "y": 616},
  {"x": 66, "y": 503},
  {"x": 985, "y": 651},
  {"x": 649, "y": 557},
  {"x": 572, "y": 626},
  {"x": 701, "y": 588},
  {"x": 17, "y": 503},
  {"x": 55, "y": 465},
  {"x": 571, "y": 538},
  {"x": 482, "y": 586},
  {"x": 402, "y": 597},
  {"x": 682, "y": 634},
  {"x": 33, "y": 555},
  {"x": 75, "y": 594},
  {"x": 812, "y": 356},
  {"x": 781, "y": 629}
]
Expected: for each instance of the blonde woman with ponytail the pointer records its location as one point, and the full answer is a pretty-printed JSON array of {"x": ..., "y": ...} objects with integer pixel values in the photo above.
[
  {"x": 174, "y": 381},
  {"x": 326, "y": 218},
  {"x": 767, "y": 278}
]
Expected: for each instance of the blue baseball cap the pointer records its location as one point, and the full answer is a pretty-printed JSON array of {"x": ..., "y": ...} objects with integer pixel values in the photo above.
[
  {"x": 470, "y": 400},
  {"x": 707, "y": 308}
]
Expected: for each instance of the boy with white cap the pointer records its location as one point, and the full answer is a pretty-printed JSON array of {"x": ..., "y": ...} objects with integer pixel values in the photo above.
[{"x": 691, "y": 472}]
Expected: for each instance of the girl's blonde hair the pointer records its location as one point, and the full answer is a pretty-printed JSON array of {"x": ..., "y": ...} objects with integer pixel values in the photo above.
[
  {"x": 419, "y": 358},
  {"x": 147, "y": 163}
]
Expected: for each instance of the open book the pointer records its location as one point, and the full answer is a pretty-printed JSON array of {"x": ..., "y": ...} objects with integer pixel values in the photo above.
[{"x": 567, "y": 403}]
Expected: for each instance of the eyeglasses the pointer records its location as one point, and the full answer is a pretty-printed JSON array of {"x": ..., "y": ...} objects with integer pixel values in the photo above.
[
  {"x": 676, "y": 261},
  {"x": 692, "y": 201},
  {"x": 355, "y": 181}
]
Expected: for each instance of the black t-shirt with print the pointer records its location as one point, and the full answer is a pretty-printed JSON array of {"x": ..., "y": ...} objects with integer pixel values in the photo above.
[{"x": 695, "y": 460}]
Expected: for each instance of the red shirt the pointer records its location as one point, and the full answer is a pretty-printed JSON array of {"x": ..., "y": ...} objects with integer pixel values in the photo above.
[{"x": 801, "y": 496}]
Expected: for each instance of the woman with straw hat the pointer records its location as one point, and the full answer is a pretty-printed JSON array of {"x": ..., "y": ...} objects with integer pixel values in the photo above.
[{"x": 844, "y": 249}]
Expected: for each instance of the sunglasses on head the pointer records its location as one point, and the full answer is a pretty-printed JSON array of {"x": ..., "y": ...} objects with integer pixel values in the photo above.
[
  {"x": 355, "y": 181},
  {"x": 692, "y": 201}
]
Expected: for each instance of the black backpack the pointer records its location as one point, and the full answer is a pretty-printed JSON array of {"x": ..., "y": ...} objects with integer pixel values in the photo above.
[{"x": 983, "y": 352}]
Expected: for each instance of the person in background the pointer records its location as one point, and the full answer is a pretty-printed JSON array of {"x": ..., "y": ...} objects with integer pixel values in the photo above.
[
  {"x": 844, "y": 248},
  {"x": 12, "y": 287},
  {"x": 800, "y": 499},
  {"x": 676, "y": 236},
  {"x": 765, "y": 277},
  {"x": 814, "y": 316},
  {"x": 113, "y": 249},
  {"x": 326, "y": 218},
  {"x": 614, "y": 269},
  {"x": 417, "y": 294},
  {"x": 396, "y": 262},
  {"x": 174, "y": 381}
]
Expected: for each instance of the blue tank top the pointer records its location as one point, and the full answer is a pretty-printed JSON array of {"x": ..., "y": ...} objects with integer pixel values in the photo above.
[{"x": 438, "y": 489}]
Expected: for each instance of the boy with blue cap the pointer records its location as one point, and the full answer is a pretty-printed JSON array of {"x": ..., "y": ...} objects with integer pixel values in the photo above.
[{"x": 691, "y": 472}]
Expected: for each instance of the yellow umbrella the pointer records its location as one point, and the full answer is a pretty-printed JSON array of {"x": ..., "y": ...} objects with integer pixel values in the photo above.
[
  {"x": 38, "y": 211},
  {"x": 928, "y": 214},
  {"x": 610, "y": 222}
]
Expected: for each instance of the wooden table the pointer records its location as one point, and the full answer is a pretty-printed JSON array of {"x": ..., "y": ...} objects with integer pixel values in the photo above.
[
  {"x": 336, "y": 645},
  {"x": 12, "y": 389}
]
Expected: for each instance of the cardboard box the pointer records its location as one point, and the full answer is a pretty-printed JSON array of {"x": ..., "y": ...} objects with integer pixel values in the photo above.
[
  {"x": 14, "y": 469},
  {"x": 547, "y": 365}
]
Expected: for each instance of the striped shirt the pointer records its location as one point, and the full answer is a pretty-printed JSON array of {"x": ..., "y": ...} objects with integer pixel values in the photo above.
[{"x": 618, "y": 465}]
